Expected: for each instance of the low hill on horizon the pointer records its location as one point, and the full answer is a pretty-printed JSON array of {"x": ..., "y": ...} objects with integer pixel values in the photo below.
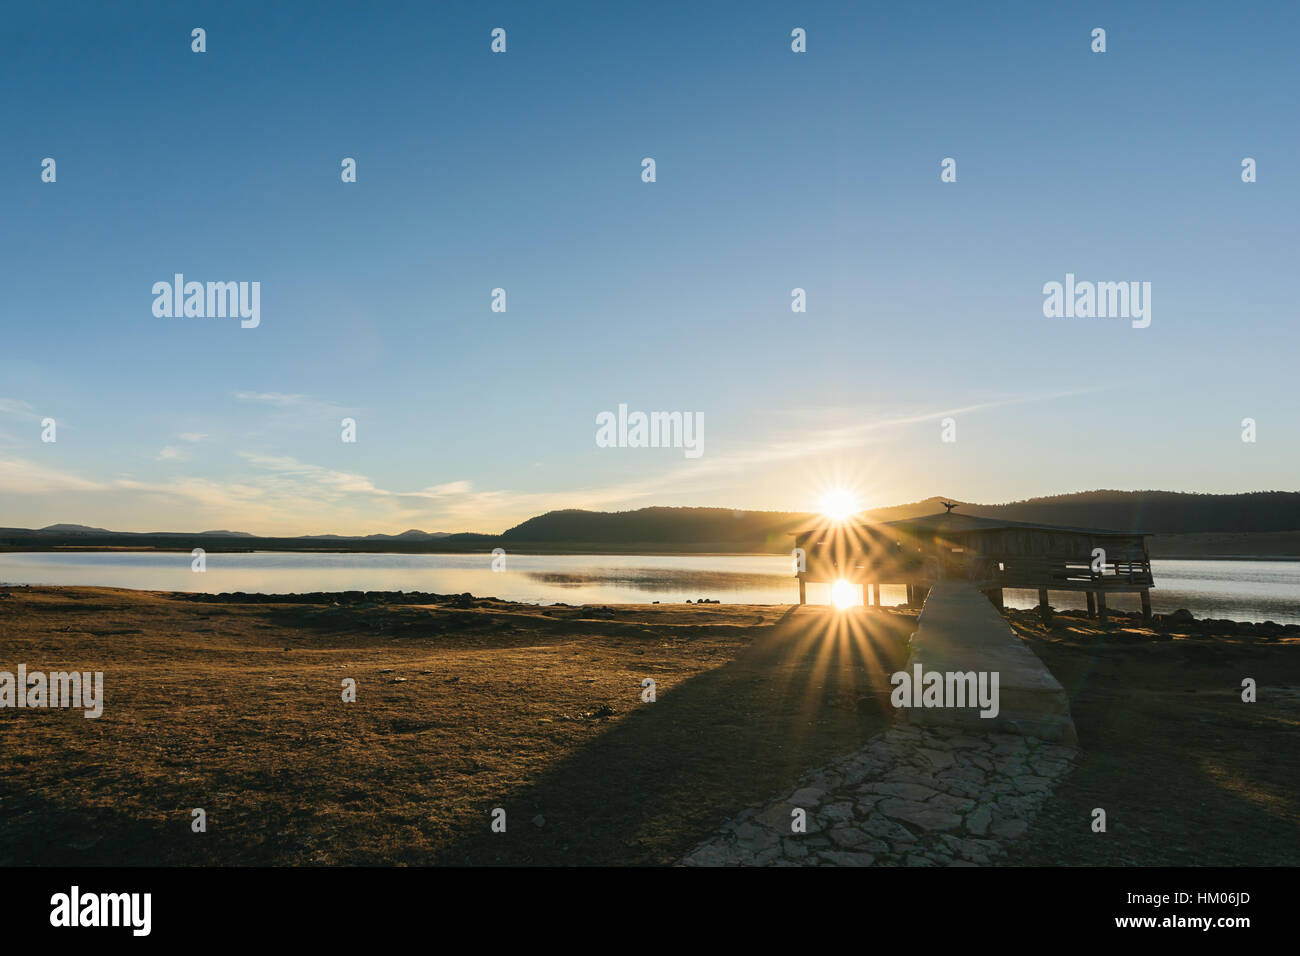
[
  {"x": 1156, "y": 512},
  {"x": 664, "y": 529}
]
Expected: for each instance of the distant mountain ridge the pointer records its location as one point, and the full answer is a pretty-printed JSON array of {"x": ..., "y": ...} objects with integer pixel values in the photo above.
[
  {"x": 1157, "y": 512},
  {"x": 65, "y": 529},
  {"x": 86, "y": 529},
  {"x": 413, "y": 533},
  {"x": 661, "y": 529}
]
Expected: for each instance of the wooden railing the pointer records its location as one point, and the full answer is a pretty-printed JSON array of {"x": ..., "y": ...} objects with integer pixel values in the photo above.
[
  {"x": 1074, "y": 575},
  {"x": 984, "y": 571}
]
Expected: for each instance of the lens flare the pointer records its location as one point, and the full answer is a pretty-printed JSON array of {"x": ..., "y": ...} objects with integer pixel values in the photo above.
[
  {"x": 843, "y": 594},
  {"x": 839, "y": 504}
]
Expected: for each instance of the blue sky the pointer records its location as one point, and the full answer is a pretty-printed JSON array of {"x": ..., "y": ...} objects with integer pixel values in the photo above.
[{"x": 775, "y": 170}]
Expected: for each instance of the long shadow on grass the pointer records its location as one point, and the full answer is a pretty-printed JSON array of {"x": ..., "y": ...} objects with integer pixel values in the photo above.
[
  {"x": 812, "y": 687},
  {"x": 1187, "y": 773}
]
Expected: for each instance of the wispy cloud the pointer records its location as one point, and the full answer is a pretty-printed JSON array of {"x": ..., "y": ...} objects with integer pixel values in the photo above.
[
  {"x": 16, "y": 408},
  {"x": 279, "y": 399},
  {"x": 20, "y": 476},
  {"x": 305, "y": 404},
  {"x": 790, "y": 441},
  {"x": 293, "y": 411},
  {"x": 280, "y": 494}
]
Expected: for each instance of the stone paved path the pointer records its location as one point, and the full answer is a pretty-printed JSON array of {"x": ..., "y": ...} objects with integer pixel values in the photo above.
[{"x": 912, "y": 797}]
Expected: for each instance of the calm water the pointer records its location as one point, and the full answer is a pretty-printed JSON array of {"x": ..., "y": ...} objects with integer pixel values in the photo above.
[{"x": 1239, "y": 590}]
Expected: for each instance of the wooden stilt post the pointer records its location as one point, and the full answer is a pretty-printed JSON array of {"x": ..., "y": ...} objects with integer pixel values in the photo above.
[
  {"x": 1101, "y": 606},
  {"x": 865, "y": 602},
  {"x": 1043, "y": 604},
  {"x": 803, "y": 593},
  {"x": 910, "y": 592},
  {"x": 1092, "y": 604},
  {"x": 1146, "y": 604},
  {"x": 875, "y": 594}
]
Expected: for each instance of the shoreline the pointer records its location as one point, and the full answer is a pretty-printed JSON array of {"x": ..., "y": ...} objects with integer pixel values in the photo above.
[
  {"x": 531, "y": 551},
  {"x": 636, "y": 552},
  {"x": 1179, "y": 619}
]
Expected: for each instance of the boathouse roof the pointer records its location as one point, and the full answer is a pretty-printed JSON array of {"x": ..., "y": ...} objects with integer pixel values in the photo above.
[{"x": 954, "y": 523}]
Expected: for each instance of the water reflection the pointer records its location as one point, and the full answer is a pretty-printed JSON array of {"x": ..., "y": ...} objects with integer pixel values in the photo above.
[{"x": 1241, "y": 590}]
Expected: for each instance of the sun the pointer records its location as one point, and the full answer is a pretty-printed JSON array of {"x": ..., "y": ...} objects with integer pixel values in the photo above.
[
  {"x": 843, "y": 594},
  {"x": 839, "y": 504}
]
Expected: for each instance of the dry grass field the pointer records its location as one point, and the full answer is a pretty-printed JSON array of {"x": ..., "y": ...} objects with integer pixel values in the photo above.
[
  {"x": 234, "y": 705},
  {"x": 1188, "y": 774},
  {"x": 236, "y": 708}
]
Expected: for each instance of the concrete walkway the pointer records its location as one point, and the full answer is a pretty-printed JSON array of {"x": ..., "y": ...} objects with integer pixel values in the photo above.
[
  {"x": 911, "y": 797},
  {"x": 960, "y": 631},
  {"x": 942, "y": 787}
]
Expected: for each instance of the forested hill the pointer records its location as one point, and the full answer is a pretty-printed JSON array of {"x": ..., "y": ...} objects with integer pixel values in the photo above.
[
  {"x": 1211, "y": 518},
  {"x": 1162, "y": 512},
  {"x": 667, "y": 529}
]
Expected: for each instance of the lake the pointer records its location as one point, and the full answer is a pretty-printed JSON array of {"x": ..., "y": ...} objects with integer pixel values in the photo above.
[{"x": 1239, "y": 590}]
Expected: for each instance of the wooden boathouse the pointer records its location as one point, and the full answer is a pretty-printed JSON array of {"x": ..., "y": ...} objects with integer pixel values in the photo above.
[{"x": 990, "y": 553}]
